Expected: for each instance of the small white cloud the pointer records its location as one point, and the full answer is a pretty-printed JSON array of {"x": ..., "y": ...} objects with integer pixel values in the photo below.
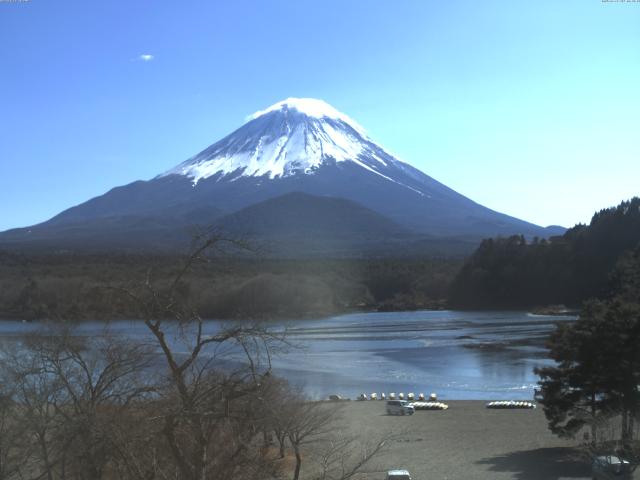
[{"x": 146, "y": 57}]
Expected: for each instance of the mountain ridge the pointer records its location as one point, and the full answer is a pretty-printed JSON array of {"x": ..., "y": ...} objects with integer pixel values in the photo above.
[{"x": 298, "y": 145}]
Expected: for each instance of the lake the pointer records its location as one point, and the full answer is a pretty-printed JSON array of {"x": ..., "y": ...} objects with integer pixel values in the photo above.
[{"x": 458, "y": 355}]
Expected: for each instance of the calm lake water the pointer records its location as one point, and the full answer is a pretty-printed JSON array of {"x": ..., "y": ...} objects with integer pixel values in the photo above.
[{"x": 458, "y": 355}]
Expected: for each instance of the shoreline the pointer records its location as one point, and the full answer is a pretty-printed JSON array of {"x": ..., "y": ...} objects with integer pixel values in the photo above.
[{"x": 309, "y": 316}]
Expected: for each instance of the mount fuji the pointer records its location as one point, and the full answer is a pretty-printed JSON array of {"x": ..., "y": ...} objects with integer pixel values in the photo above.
[{"x": 299, "y": 171}]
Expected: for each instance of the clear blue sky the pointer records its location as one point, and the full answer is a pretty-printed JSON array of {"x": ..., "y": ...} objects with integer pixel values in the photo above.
[{"x": 528, "y": 107}]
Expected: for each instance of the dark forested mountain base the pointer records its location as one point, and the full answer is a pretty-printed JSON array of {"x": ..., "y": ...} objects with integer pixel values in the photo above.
[
  {"x": 88, "y": 286},
  {"x": 568, "y": 269}
]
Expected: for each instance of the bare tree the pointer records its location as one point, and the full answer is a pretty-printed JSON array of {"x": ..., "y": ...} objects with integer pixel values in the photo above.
[
  {"x": 34, "y": 395},
  {"x": 309, "y": 423},
  {"x": 314, "y": 430},
  {"x": 69, "y": 394},
  {"x": 98, "y": 381},
  {"x": 343, "y": 457},
  {"x": 205, "y": 407},
  {"x": 12, "y": 448},
  {"x": 278, "y": 398}
]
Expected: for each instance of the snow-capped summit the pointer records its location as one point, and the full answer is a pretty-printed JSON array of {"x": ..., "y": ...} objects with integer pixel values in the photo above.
[
  {"x": 292, "y": 137},
  {"x": 311, "y": 107}
]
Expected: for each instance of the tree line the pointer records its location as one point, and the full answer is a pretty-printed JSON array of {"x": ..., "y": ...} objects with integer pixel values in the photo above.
[
  {"x": 89, "y": 286},
  {"x": 514, "y": 272}
]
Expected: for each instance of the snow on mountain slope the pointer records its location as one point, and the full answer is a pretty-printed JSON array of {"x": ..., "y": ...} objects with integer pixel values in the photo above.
[{"x": 292, "y": 137}]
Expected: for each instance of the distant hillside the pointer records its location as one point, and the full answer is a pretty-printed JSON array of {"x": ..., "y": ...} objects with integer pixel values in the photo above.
[
  {"x": 568, "y": 269},
  {"x": 302, "y": 214},
  {"x": 299, "y": 224},
  {"x": 293, "y": 225},
  {"x": 165, "y": 231}
]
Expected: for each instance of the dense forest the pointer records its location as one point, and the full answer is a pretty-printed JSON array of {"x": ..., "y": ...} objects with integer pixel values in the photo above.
[
  {"x": 569, "y": 269},
  {"x": 92, "y": 286}
]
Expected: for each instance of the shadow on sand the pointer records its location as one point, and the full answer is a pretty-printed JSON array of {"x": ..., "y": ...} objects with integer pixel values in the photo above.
[{"x": 541, "y": 463}]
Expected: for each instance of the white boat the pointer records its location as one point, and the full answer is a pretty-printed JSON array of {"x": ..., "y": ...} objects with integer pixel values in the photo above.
[
  {"x": 430, "y": 406},
  {"x": 510, "y": 404}
]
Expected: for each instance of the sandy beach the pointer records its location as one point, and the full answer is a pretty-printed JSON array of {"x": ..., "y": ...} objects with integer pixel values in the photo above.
[{"x": 469, "y": 441}]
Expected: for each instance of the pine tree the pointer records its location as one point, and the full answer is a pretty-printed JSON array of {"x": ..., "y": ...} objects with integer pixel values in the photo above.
[{"x": 597, "y": 369}]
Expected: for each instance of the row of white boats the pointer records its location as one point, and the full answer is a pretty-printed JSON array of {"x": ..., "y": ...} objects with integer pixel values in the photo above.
[
  {"x": 429, "y": 405},
  {"x": 401, "y": 396},
  {"x": 510, "y": 404},
  {"x": 420, "y": 402}
]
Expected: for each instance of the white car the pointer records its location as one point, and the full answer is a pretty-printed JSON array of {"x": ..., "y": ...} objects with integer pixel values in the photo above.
[
  {"x": 611, "y": 467},
  {"x": 398, "y": 475},
  {"x": 400, "y": 407}
]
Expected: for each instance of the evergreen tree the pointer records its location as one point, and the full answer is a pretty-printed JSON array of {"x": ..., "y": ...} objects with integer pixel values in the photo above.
[
  {"x": 512, "y": 273},
  {"x": 573, "y": 391},
  {"x": 597, "y": 371}
]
